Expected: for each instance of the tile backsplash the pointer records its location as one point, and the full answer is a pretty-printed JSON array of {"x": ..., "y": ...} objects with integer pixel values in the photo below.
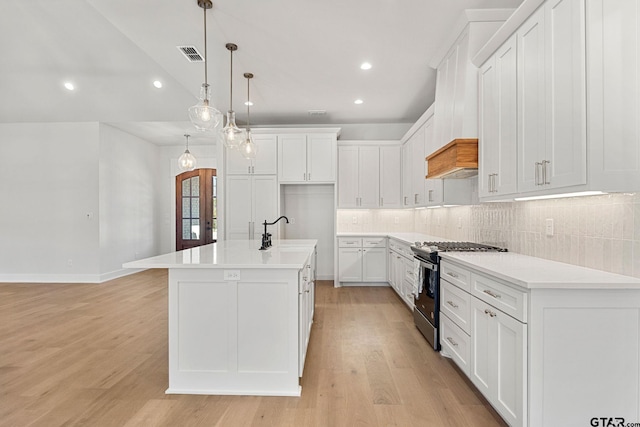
[{"x": 601, "y": 232}]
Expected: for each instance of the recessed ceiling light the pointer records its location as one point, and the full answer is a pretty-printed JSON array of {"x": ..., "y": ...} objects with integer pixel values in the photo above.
[
  {"x": 358, "y": 101},
  {"x": 157, "y": 84},
  {"x": 365, "y": 66},
  {"x": 249, "y": 103},
  {"x": 69, "y": 86}
]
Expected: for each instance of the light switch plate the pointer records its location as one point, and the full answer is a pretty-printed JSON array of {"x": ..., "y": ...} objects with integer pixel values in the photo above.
[
  {"x": 549, "y": 227},
  {"x": 232, "y": 275}
]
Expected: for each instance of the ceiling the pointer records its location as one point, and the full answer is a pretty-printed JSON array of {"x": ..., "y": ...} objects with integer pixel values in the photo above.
[{"x": 305, "y": 55}]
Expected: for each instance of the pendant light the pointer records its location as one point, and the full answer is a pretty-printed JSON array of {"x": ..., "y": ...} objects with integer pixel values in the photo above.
[
  {"x": 187, "y": 162},
  {"x": 232, "y": 135},
  {"x": 203, "y": 115},
  {"x": 248, "y": 147}
]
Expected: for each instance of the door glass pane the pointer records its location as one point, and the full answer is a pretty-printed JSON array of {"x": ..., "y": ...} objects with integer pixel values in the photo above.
[
  {"x": 186, "y": 187},
  {"x": 195, "y": 186},
  {"x": 186, "y": 229},
  {"x": 195, "y": 208},
  {"x": 186, "y": 207},
  {"x": 195, "y": 229}
]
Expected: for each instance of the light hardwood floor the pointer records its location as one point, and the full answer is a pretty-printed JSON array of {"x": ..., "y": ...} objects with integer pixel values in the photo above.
[{"x": 96, "y": 355}]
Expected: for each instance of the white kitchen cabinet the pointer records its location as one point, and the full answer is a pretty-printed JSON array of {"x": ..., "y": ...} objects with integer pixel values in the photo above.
[
  {"x": 307, "y": 158},
  {"x": 362, "y": 259},
  {"x": 251, "y": 199},
  {"x": 497, "y": 161},
  {"x": 414, "y": 169},
  {"x": 306, "y": 308},
  {"x": 498, "y": 360},
  {"x": 401, "y": 276},
  {"x": 368, "y": 176},
  {"x": 265, "y": 162},
  {"x": 551, "y": 97},
  {"x": 390, "y": 176}
]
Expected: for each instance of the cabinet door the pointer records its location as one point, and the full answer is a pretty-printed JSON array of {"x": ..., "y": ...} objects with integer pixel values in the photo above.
[
  {"x": 509, "y": 341},
  {"x": 531, "y": 102},
  {"x": 266, "y": 156},
  {"x": 348, "y": 177},
  {"x": 374, "y": 265},
  {"x": 292, "y": 158},
  {"x": 369, "y": 177},
  {"x": 265, "y": 204},
  {"x": 565, "y": 158},
  {"x": 504, "y": 148},
  {"x": 407, "y": 183},
  {"x": 390, "y": 177},
  {"x": 433, "y": 188},
  {"x": 390, "y": 268},
  {"x": 419, "y": 167},
  {"x": 487, "y": 127},
  {"x": 236, "y": 164},
  {"x": 482, "y": 368},
  {"x": 350, "y": 264},
  {"x": 321, "y": 158},
  {"x": 238, "y": 207}
]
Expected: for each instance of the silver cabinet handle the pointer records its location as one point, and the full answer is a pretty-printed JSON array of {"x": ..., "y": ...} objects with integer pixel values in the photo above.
[
  {"x": 537, "y": 174},
  {"x": 415, "y": 199},
  {"x": 488, "y": 292},
  {"x": 453, "y": 343},
  {"x": 381, "y": 201},
  {"x": 253, "y": 169},
  {"x": 454, "y": 275},
  {"x": 405, "y": 200},
  {"x": 248, "y": 169},
  {"x": 544, "y": 171},
  {"x": 452, "y": 304},
  {"x": 490, "y": 313},
  {"x": 309, "y": 176}
]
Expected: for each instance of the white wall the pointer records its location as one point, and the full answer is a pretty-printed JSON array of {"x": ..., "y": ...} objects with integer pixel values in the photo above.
[
  {"x": 49, "y": 209},
  {"x": 129, "y": 188}
]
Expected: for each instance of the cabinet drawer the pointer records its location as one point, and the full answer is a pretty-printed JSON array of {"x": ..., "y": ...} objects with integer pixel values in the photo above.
[
  {"x": 455, "y": 303},
  {"x": 455, "y": 275},
  {"x": 455, "y": 343},
  {"x": 349, "y": 242},
  {"x": 505, "y": 298},
  {"x": 374, "y": 242}
]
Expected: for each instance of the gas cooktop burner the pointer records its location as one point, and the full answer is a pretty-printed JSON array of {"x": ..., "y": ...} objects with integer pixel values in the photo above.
[{"x": 431, "y": 247}]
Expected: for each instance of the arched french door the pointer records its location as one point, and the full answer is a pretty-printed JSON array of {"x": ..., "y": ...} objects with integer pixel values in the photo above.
[{"x": 196, "y": 208}]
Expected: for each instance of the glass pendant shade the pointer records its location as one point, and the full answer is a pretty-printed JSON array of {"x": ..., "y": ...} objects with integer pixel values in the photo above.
[
  {"x": 232, "y": 135},
  {"x": 248, "y": 148},
  {"x": 204, "y": 116},
  {"x": 186, "y": 162}
]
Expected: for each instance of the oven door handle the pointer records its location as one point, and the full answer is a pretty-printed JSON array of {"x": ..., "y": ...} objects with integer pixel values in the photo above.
[{"x": 429, "y": 266}]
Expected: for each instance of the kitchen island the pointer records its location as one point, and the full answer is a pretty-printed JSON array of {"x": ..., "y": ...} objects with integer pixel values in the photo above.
[{"x": 239, "y": 318}]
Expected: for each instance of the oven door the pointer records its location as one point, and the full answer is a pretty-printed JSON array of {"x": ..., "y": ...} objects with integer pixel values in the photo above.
[{"x": 426, "y": 315}]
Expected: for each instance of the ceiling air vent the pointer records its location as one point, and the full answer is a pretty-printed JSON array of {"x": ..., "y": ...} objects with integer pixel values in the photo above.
[
  {"x": 317, "y": 112},
  {"x": 191, "y": 53}
]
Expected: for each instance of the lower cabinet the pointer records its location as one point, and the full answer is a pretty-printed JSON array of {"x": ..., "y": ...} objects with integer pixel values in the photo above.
[
  {"x": 487, "y": 344},
  {"x": 498, "y": 359},
  {"x": 306, "y": 305},
  {"x": 362, "y": 259},
  {"x": 401, "y": 272}
]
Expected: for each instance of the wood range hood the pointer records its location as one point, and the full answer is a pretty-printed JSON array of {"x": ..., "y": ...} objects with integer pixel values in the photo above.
[{"x": 458, "y": 159}]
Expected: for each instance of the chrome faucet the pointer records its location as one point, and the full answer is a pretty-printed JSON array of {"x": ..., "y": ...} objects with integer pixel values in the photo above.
[{"x": 266, "y": 237}]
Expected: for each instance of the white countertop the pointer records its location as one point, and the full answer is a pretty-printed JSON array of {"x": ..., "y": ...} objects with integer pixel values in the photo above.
[
  {"x": 284, "y": 254},
  {"x": 537, "y": 273}
]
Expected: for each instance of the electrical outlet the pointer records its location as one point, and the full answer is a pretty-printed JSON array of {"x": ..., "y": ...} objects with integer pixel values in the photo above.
[
  {"x": 354, "y": 220},
  {"x": 549, "y": 227},
  {"x": 292, "y": 220},
  {"x": 232, "y": 275},
  {"x": 70, "y": 262},
  {"x": 396, "y": 220},
  {"x": 459, "y": 222}
]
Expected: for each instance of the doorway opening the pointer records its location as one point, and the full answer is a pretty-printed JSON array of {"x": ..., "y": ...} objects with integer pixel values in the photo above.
[{"x": 196, "y": 208}]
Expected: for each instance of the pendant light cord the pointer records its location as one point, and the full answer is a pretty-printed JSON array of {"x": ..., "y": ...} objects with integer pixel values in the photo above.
[
  {"x": 248, "y": 105},
  {"x": 205, "y": 45},
  {"x": 231, "y": 83}
]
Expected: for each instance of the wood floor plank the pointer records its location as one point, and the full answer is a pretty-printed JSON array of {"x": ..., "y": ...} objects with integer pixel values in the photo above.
[{"x": 96, "y": 355}]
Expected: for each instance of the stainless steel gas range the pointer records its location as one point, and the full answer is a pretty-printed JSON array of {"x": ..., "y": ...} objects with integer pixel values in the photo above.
[{"x": 427, "y": 301}]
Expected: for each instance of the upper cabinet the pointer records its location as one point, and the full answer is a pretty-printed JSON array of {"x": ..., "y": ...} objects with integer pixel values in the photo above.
[
  {"x": 368, "y": 175},
  {"x": 575, "y": 104},
  {"x": 307, "y": 158},
  {"x": 265, "y": 162}
]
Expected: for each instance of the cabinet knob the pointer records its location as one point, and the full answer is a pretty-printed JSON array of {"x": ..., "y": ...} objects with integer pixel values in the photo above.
[{"x": 490, "y": 313}]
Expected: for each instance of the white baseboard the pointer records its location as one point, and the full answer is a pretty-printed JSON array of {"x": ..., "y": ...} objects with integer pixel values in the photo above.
[
  {"x": 50, "y": 278},
  {"x": 105, "y": 277}
]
